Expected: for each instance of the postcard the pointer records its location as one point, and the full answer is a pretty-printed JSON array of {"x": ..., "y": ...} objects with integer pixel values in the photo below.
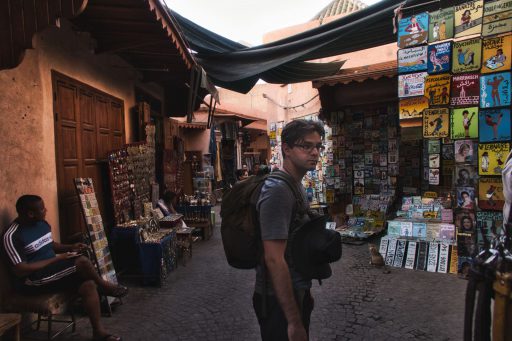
[
  {"x": 464, "y": 151},
  {"x": 466, "y": 175},
  {"x": 494, "y": 125},
  {"x": 465, "y": 90},
  {"x": 464, "y": 123}
]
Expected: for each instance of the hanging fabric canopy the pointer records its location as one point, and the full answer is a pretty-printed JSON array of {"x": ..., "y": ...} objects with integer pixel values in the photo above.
[{"x": 237, "y": 67}]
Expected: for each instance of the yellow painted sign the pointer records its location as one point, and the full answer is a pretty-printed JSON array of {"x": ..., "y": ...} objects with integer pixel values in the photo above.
[
  {"x": 430, "y": 194},
  {"x": 412, "y": 107}
]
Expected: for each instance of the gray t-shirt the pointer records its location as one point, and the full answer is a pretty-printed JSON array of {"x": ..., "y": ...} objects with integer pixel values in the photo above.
[{"x": 275, "y": 208}]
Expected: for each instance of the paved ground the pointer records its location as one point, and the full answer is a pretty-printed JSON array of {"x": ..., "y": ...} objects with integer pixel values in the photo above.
[{"x": 208, "y": 300}]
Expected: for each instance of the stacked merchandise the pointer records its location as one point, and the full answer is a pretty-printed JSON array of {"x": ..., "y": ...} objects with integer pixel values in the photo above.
[
  {"x": 274, "y": 135},
  {"x": 321, "y": 182},
  {"x": 461, "y": 92},
  {"x": 422, "y": 236}
]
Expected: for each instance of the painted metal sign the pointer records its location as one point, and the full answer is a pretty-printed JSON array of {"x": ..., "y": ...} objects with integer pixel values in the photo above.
[
  {"x": 464, "y": 123},
  {"x": 412, "y": 59},
  {"x": 437, "y": 89},
  {"x": 496, "y": 54},
  {"x": 467, "y": 55},
  {"x": 413, "y": 30},
  {"x": 490, "y": 194},
  {"x": 440, "y": 25},
  {"x": 436, "y": 123},
  {"x": 492, "y": 157},
  {"x": 412, "y": 107},
  {"x": 495, "y": 90},
  {"x": 494, "y": 125},
  {"x": 468, "y": 18},
  {"x": 439, "y": 58},
  {"x": 411, "y": 85},
  {"x": 497, "y": 17},
  {"x": 465, "y": 90}
]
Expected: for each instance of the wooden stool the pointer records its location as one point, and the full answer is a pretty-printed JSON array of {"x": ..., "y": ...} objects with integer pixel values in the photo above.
[{"x": 8, "y": 321}]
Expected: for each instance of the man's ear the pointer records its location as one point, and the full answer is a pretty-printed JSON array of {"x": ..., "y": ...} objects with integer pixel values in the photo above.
[{"x": 286, "y": 148}]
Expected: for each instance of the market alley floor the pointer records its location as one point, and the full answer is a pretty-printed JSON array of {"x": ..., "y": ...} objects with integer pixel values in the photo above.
[{"x": 208, "y": 300}]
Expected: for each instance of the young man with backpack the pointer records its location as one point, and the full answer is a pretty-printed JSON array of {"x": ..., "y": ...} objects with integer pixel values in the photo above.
[{"x": 282, "y": 298}]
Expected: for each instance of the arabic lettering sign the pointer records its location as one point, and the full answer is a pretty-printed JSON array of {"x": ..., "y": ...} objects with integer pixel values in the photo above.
[
  {"x": 497, "y": 17},
  {"x": 465, "y": 90},
  {"x": 436, "y": 122},
  {"x": 439, "y": 58},
  {"x": 464, "y": 123},
  {"x": 412, "y": 59},
  {"x": 492, "y": 157},
  {"x": 437, "y": 89},
  {"x": 412, "y": 107},
  {"x": 468, "y": 18},
  {"x": 490, "y": 194},
  {"x": 466, "y": 55},
  {"x": 494, "y": 125},
  {"x": 413, "y": 30},
  {"x": 440, "y": 25},
  {"x": 496, "y": 54},
  {"x": 411, "y": 85},
  {"x": 495, "y": 90}
]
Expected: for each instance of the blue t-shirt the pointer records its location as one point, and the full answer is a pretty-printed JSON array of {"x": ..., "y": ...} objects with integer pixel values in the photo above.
[{"x": 28, "y": 243}]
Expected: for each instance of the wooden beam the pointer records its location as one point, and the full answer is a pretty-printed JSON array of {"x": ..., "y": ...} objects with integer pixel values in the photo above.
[{"x": 128, "y": 45}]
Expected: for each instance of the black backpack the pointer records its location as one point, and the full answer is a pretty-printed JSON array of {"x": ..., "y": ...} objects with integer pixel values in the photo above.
[{"x": 240, "y": 227}]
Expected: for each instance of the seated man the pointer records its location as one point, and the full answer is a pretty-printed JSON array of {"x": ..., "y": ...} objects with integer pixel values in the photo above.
[{"x": 41, "y": 265}]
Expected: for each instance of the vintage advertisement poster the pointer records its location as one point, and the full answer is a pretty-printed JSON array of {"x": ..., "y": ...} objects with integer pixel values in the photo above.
[
  {"x": 466, "y": 175},
  {"x": 437, "y": 89},
  {"x": 494, "y": 125},
  {"x": 412, "y": 59},
  {"x": 464, "y": 123},
  {"x": 441, "y": 25},
  {"x": 492, "y": 157},
  {"x": 468, "y": 18},
  {"x": 412, "y": 107},
  {"x": 495, "y": 90},
  {"x": 411, "y": 85},
  {"x": 436, "y": 123},
  {"x": 490, "y": 223},
  {"x": 497, "y": 17},
  {"x": 466, "y": 197},
  {"x": 465, "y": 221},
  {"x": 496, "y": 54},
  {"x": 433, "y": 175},
  {"x": 490, "y": 194},
  {"x": 439, "y": 58},
  {"x": 467, "y": 55},
  {"x": 465, "y": 90},
  {"x": 413, "y": 30}
]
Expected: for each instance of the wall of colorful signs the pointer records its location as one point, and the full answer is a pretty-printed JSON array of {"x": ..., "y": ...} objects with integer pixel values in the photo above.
[{"x": 461, "y": 89}]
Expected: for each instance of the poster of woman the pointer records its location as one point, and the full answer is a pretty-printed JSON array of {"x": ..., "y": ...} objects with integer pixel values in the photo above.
[
  {"x": 464, "y": 152},
  {"x": 495, "y": 90},
  {"x": 465, "y": 221},
  {"x": 466, "y": 197},
  {"x": 494, "y": 125},
  {"x": 468, "y": 18},
  {"x": 464, "y": 123}
]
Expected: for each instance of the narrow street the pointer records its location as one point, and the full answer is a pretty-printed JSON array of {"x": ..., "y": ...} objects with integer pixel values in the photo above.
[{"x": 208, "y": 300}]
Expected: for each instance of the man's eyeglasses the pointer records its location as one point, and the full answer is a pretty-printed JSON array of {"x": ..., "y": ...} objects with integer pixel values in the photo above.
[{"x": 307, "y": 147}]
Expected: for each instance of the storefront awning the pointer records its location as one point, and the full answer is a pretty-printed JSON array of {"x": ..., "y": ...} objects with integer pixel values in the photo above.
[
  {"x": 237, "y": 67},
  {"x": 258, "y": 125},
  {"x": 360, "y": 74},
  {"x": 245, "y": 119}
]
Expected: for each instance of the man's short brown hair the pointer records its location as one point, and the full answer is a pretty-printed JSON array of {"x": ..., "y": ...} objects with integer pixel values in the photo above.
[{"x": 295, "y": 131}]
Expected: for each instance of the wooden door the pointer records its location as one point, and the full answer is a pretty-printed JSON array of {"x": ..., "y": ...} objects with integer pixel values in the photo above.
[{"x": 88, "y": 125}]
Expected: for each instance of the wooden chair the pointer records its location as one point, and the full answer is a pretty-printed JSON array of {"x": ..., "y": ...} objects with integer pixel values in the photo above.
[{"x": 46, "y": 306}]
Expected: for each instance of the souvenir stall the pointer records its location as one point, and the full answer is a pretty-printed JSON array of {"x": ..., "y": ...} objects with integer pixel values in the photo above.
[
  {"x": 454, "y": 82},
  {"x": 140, "y": 246}
]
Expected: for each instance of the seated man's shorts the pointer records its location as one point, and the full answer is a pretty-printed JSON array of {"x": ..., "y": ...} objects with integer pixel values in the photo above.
[{"x": 55, "y": 277}]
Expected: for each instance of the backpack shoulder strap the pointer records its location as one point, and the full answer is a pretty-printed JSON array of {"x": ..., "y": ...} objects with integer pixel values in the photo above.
[{"x": 290, "y": 182}]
